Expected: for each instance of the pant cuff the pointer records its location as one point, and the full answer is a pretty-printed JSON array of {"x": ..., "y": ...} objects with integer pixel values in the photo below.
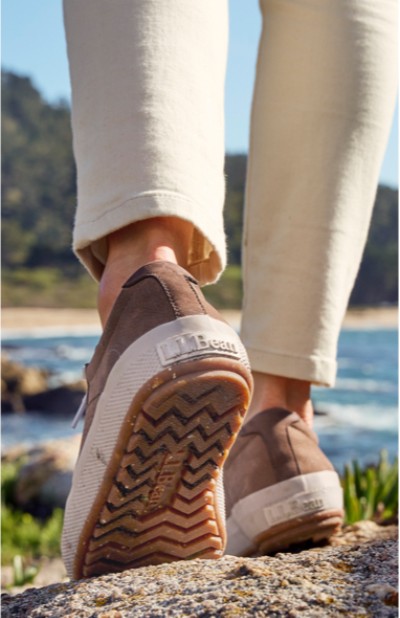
[
  {"x": 319, "y": 371},
  {"x": 207, "y": 254}
]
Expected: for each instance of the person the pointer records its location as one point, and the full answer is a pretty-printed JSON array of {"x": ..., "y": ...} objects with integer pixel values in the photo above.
[{"x": 170, "y": 382}]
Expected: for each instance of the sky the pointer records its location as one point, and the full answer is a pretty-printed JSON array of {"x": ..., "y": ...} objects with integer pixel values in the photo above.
[{"x": 33, "y": 44}]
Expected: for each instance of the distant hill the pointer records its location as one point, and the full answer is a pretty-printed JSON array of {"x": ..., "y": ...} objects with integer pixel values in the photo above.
[
  {"x": 38, "y": 177},
  {"x": 39, "y": 197}
]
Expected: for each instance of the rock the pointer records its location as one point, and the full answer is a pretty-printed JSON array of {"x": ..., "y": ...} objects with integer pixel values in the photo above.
[
  {"x": 362, "y": 531},
  {"x": 26, "y": 388},
  {"x": 353, "y": 580},
  {"x": 45, "y": 475},
  {"x": 62, "y": 401},
  {"x": 18, "y": 381}
]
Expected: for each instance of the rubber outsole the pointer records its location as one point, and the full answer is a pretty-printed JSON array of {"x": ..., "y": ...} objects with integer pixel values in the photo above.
[
  {"x": 158, "y": 499},
  {"x": 293, "y": 534},
  {"x": 311, "y": 528}
]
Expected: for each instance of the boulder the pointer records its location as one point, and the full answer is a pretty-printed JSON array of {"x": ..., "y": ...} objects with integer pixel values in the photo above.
[
  {"x": 17, "y": 382},
  {"x": 355, "y": 578},
  {"x": 62, "y": 401},
  {"x": 45, "y": 474},
  {"x": 25, "y": 389}
]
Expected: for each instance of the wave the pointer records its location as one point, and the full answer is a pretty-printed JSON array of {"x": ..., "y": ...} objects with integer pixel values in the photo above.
[
  {"x": 366, "y": 385},
  {"x": 49, "y": 332},
  {"x": 68, "y": 352},
  {"x": 364, "y": 417}
]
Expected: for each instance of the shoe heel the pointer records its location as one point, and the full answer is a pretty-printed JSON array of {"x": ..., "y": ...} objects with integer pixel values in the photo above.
[
  {"x": 165, "y": 502},
  {"x": 306, "y": 507}
]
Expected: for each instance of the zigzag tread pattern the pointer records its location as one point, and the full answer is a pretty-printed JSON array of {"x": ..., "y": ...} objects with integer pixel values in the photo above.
[{"x": 161, "y": 505}]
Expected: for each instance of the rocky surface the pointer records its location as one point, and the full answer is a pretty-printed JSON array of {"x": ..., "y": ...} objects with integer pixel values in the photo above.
[{"x": 355, "y": 576}]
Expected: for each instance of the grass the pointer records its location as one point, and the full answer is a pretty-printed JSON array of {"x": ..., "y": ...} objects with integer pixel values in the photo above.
[
  {"x": 48, "y": 287},
  {"x": 21, "y": 532},
  {"x": 227, "y": 293},
  {"x": 53, "y": 287},
  {"x": 371, "y": 492}
]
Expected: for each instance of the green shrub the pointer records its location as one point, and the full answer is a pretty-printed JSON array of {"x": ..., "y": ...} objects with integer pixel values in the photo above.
[
  {"x": 227, "y": 293},
  {"x": 23, "y": 534},
  {"x": 371, "y": 492},
  {"x": 48, "y": 287},
  {"x": 9, "y": 472}
]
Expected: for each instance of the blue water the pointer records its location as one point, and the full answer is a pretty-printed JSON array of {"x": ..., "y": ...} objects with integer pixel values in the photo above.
[{"x": 360, "y": 415}]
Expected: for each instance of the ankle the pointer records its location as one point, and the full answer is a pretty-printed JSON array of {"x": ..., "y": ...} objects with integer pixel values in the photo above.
[
  {"x": 280, "y": 392},
  {"x": 158, "y": 239}
]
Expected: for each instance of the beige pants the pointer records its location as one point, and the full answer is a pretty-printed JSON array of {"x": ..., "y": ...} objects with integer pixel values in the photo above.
[{"x": 147, "y": 111}]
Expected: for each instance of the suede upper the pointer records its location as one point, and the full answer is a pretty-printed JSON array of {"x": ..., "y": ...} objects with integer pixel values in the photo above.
[
  {"x": 157, "y": 293},
  {"x": 274, "y": 446}
]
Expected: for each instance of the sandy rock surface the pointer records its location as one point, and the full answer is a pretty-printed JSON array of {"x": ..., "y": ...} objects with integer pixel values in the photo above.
[{"x": 355, "y": 577}]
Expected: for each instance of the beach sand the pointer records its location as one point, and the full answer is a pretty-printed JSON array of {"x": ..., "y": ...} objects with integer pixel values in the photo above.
[{"x": 26, "y": 319}]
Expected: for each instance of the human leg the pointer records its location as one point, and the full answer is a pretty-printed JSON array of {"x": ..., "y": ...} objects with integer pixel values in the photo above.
[
  {"x": 321, "y": 115},
  {"x": 169, "y": 382},
  {"x": 323, "y": 102},
  {"x": 131, "y": 247},
  {"x": 147, "y": 117}
]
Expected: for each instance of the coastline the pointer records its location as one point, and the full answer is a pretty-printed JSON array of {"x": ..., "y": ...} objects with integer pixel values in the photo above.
[{"x": 26, "y": 321}]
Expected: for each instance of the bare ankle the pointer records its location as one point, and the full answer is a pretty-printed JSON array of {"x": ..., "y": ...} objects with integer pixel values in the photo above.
[
  {"x": 130, "y": 248},
  {"x": 278, "y": 391}
]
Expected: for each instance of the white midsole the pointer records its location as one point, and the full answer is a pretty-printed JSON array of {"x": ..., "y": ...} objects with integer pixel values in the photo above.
[
  {"x": 297, "y": 497},
  {"x": 138, "y": 364}
]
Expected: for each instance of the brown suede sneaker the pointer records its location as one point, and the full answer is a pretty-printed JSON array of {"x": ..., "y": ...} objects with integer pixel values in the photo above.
[
  {"x": 280, "y": 489},
  {"x": 168, "y": 386}
]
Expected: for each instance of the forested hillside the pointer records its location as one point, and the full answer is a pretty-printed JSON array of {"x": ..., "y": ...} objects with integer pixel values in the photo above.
[{"x": 39, "y": 195}]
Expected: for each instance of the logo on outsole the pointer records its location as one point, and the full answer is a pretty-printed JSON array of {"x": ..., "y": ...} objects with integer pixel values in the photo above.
[
  {"x": 168, "y": 477},
  {"x": 190, "y": 345}
]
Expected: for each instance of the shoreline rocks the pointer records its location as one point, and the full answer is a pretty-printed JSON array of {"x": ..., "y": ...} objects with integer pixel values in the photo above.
[{"x": 25, "y": 389}]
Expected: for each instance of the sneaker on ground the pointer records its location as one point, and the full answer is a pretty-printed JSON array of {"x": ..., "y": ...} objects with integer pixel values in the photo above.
[
  {"x": 168, "y": 387},
  {"x": 280, "y": 489}
]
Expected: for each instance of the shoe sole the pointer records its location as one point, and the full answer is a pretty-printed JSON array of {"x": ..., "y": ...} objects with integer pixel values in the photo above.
[
  {"x": 305, "y": 508},
  {"x": 311, "y": 528},
  {"x": 160, "y": 495}
]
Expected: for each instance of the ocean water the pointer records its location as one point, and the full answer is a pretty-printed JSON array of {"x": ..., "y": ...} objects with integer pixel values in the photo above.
[{"x": 356, "y": 419}]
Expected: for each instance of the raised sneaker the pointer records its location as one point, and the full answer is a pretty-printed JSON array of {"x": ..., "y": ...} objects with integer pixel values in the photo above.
[
  {"x": 280, "y": 489},
  {"x": 168, "y": 387}
]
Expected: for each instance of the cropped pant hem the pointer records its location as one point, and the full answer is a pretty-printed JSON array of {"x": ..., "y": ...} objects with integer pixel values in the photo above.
[
  {"x": 316, "y": 369},
  {"x": 206, "y": 259}
]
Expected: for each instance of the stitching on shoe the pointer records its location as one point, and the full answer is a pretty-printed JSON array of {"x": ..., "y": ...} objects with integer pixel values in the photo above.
[
  {"x": 164, "y": 287},
  {"x": 170, "y": 297},
  {"x": 291, "y": 447},
  {"x": 197, "y": 295}
]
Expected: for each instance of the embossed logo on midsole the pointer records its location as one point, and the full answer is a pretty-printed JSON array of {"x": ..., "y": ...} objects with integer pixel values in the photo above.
[
  {"x": 293, "y": 508},
  {"x": 190, "y": 345}
]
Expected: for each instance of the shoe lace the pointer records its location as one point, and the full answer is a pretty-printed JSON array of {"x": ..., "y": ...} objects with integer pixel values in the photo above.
[{"x": 80, "y": 412}]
